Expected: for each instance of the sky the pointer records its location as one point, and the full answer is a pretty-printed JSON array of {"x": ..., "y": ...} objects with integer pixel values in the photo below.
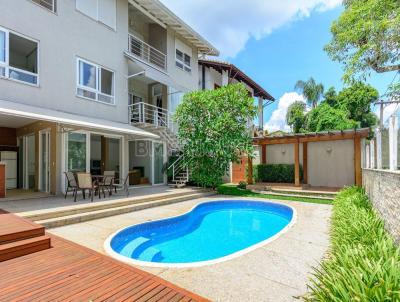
[{"x": 274, "y": 42}]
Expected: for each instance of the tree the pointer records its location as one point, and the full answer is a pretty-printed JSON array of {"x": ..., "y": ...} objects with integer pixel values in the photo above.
[
  {"x": 356, "y": 100},
  {"x": 311, "y": 91},
  {"x": 213, "y": 131},
  {"x": 330, "y": 97},
  {"x": 325, "y": 118},
  {"x": 295, "y": 116},
  {"x": 366, "y": 37}
]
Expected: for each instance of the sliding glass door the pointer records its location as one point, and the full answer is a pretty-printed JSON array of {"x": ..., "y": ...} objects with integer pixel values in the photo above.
[
  {"x": 158, "y": 165},
  {"x": 44, "y": 172},
  {"x": 76, "y": 152}
]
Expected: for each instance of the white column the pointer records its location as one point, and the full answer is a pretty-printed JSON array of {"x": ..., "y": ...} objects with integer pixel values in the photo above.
[
  {"x": 225, "y": 78},
  {"x": 393, "y": 129},
  {"x": 367, "y": 157},
  {"x": 378, "y": 135},
  {"x": 372, "y": 153},
  {"x": 260, "y": 113}
]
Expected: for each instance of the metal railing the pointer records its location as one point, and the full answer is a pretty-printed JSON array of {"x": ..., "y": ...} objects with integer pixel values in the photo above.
[
  {"x": 180, "y": 171},
  {"x": 146, "y": 52},
  {"x": 143, "y": 113}
]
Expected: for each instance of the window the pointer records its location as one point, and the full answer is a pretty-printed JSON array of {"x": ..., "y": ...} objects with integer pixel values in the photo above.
[
  {"x": 51, "y": 5},
  {"x": 18, "y": 58},
  {"x": 95, "y": 82},
  {"x": 104, "y": 11},
  {"x": 183, "y": 61}
]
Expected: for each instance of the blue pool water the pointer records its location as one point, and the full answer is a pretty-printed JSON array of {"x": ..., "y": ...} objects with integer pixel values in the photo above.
[{"x": 210, "y": 231}]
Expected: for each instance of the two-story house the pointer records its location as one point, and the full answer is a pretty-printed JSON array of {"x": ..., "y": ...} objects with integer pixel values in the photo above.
[{"x": 90, "y": 85}]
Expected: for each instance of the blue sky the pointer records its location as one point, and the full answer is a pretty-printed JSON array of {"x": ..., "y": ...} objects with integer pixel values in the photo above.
[{"x": 274, "y": 42}]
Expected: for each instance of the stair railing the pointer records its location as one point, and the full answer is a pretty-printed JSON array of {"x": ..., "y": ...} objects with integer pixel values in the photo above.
[{"x": 178, "y": 168}]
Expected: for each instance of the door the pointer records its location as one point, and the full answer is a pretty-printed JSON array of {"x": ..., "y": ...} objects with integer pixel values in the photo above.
[
  {"x": 158, "y": 163},
  {"x": 44, "y": 170},
  {"x": 239, "y": 170}
]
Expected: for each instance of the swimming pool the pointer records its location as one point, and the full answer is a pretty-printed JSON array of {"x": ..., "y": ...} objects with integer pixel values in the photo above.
[{"x": 211, "y": 232}]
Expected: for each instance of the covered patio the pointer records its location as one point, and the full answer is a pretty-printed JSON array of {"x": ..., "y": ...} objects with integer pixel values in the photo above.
[{"x": 331, "y": 159}]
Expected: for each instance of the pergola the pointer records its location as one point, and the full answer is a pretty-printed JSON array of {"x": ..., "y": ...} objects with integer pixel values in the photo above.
[{"x": 296, "y": 139}]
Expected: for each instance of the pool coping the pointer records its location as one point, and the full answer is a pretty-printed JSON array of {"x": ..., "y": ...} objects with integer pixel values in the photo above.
[{"x": 109, "y": 250}]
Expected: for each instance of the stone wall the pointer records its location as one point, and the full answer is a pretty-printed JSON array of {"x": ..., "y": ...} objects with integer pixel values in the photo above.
[{"x": 383, "y": 188}]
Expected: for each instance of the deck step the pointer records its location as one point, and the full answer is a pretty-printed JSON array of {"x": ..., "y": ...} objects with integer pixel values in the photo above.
[
  {"x": 149, "y": 254},
  {"x": 117, "y": 210},
  {"x": 101, "y": 205},
  {"x": 24, "y": 247},
  {"x": 328, "y": 198},
  {"x": 132, "y": 246}
]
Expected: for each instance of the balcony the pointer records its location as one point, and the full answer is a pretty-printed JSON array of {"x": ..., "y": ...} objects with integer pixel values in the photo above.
[
  {"x": 147, "y": 53},
  {"x": 147, "y": 114}
]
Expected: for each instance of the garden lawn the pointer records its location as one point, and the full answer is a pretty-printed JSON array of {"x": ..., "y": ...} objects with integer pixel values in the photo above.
[
  {"x": 364, "y": 262},
  {"x": 234, "y": 191}
]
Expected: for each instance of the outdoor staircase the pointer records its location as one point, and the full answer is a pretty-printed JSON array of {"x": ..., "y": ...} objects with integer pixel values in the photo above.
[
  {"x": 52, "y": 218},
  {"x": 158, "y": 121},
  {"x": 19, "y": 237}
]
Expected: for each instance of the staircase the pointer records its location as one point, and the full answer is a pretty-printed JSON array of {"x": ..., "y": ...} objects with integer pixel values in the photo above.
[
  {"x": 19, "y": 237},
  {"x": 158, "y": 121}
]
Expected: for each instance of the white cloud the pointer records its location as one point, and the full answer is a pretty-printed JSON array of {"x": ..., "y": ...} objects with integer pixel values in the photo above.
[
  {"x": 278, "y": 117},
  {"x": 387, "y": 111},
  {"x": 228, "y": 25}
]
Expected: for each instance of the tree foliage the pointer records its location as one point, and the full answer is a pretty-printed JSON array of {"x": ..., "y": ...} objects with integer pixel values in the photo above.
[
  {"x": 311, "y": 90},
  {"x": 325, "y": 117},
  {"x": 366, "y": 37},
  {"x": 213, "y": 131},
  {"x": 295, "y": 116}
]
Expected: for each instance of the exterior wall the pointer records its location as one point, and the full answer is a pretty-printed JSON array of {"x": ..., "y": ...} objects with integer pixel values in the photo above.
[
  {"x": 62, "y": 37},
  {"x": 383, "y": 188},
  {"x": 283, "y": 154},
  {"x": 334, "y": 168}
]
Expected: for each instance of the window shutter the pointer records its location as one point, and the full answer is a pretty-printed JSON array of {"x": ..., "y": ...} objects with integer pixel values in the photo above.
[
  {"x": 88, "y": 7},
  {"x": 108, "y": 12}
]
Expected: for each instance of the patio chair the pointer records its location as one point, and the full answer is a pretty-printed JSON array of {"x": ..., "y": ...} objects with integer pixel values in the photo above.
[
  {"x": 107, "y": 182},
  {"x": 85, "y": 182},
  {"x": 72, "y": 185},
  {"x": 125, "y": 185}
]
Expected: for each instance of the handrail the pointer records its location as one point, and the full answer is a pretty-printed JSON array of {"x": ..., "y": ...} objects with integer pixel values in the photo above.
[
  {"x": 149, "y": 114},
  {"x": 146, "y": 52}
]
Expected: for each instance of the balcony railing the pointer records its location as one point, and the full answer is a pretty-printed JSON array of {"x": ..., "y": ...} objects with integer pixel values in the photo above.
[
  {"x": 146, "y": 52},
  {"x": 143, "y": 113}
]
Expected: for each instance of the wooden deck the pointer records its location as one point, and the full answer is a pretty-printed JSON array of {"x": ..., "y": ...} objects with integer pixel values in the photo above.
[{"x": 70, "y": 272}]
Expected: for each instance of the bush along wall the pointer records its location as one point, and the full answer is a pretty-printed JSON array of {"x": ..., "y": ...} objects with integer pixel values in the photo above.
[
  {"x": 283, "y": 173},
  {"x": 364, "y": 262}
]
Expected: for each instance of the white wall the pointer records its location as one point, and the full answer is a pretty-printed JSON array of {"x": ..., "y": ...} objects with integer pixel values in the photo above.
[
  {"x": 283, "y": 154},
  {"x": 334, "y": 168}
]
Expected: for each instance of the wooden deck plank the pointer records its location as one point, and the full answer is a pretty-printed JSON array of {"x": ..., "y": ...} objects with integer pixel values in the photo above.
[{"x": 70, "y": 272}]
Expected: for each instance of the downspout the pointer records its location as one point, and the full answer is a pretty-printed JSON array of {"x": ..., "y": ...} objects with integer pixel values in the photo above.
[{"x": 203, "y": 75}]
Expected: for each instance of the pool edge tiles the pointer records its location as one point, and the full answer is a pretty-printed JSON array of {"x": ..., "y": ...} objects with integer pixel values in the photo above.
[{"x": 110, "y": 250}]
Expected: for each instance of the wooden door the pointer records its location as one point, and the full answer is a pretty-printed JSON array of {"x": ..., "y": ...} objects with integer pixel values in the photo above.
[{"x": 239, "y": 170}]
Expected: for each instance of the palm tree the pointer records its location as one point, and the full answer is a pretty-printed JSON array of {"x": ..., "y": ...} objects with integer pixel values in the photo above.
[{"x": 311, "y": 91}]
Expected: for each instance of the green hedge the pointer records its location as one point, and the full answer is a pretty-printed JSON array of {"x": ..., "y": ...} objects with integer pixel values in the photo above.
[
  {"x": 364, "y": 262},
  {"x": 275, "y": 173}
]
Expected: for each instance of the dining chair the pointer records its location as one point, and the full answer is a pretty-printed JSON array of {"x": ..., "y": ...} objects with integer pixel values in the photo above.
[
  {"x": 107, "y": 182},
  {"x": 85, "y": 182},
  {"x": 72, "y": 185},
  {"x": 124, "y": 185}
]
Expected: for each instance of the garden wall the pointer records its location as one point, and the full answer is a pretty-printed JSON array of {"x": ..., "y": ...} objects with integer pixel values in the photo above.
[{"x": 383, "y": 188}]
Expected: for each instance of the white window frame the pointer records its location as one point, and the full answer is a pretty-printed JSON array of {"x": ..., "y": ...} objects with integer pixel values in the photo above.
[
  {"x": 6, "y": 64},
  {"x": 97, "y": 90},
  {"x": 185, "y": 67},
  {"x": 54, "y": 5}
]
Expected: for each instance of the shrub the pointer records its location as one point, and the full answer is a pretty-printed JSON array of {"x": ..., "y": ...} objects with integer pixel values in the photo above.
[
  {"x": 242, "y": 185},
  {"x": 364, "y": 263},
  {"x": 275, "y": 173}
]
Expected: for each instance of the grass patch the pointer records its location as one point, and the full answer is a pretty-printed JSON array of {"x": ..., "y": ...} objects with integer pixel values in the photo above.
[
  {"x": 234, "y": 191},
  {"x": 364, "y": 262}
]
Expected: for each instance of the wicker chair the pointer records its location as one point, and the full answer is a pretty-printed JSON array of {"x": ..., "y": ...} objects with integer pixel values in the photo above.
[
  {"x": 72, "y": 185},
  {"x": 85, "y": 182}
]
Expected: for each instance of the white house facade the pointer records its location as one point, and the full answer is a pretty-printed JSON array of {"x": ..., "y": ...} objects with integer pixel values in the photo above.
[{"x": 90, "y": 85}]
